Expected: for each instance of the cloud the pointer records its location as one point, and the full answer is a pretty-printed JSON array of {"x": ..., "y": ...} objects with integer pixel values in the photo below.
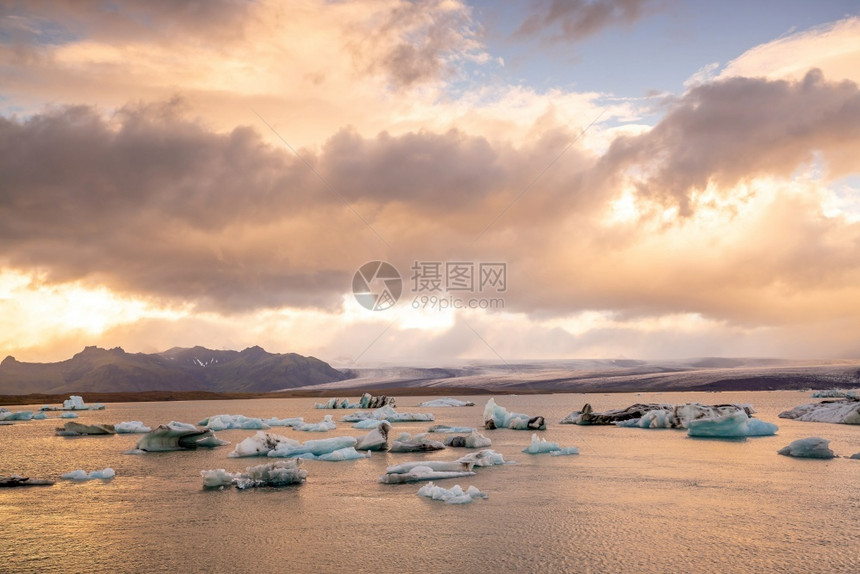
[{"x": 574, "y": 21}]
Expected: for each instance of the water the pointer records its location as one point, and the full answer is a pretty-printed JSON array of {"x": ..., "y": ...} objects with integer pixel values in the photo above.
[{"x": 634, "y": 500}]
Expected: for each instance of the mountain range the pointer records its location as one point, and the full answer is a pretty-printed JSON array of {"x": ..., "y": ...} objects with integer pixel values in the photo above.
[{"x": 178, "y": 369}]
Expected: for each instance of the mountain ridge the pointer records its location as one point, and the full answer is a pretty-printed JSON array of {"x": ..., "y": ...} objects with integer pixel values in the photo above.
[{"x": 95, "y": 369}]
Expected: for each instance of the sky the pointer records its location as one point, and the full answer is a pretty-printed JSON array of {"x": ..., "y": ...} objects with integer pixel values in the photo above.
[{"x": 548, "y": 179}]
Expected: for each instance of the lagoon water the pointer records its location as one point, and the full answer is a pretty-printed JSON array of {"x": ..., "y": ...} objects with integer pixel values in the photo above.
[{"x": 634, "y": 500}]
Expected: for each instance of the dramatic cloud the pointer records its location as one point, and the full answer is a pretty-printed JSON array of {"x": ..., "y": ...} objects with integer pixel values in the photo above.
[{"x": 576, "y": 20}]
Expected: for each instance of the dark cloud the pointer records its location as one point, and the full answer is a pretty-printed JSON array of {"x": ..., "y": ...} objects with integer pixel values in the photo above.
[
  {"x": 735, "y": 129},
  {"x": 576, "y": 20}
]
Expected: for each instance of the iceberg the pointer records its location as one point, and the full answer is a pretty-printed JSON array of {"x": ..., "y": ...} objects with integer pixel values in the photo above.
[
  {"x": 565, "y": 450},
  {"x": 388, "y": 413},
  {"x": 177, "y": 436},
  {"x": 843, "y": 411},
  {"x": 449, "y": 429},
  {"x": 260, "y": 444},
  {"x": 367, "y": 401},
  {"x": 73, "y": 428},
  {"x": 446, "y": 402},
  {"x": 812, "y": 447},
  {"x": 313, "y": 447},
  {"x": 131, "y": 427},
  {"x": 325, "y": 425},
  {"x": 482, "y": 458},
  {"x": 288, "y": 422},
  {"x": 733, "y": 425},
  {"x": 541, "y": 445},
  {"x": 473, "y": 440},
  {"x": 69, "y": 415},
  {"x": 653, "y": 415},
  {"x": 453, "y": 495},
  {"x": 377, "y": 439},
  {"x": 368, "y": 424},
  {"x": 40, "y": 416},
  {"x": 7, "y": 415},
  {"x": 105, "y": 474},
  {"x": 274, "y": 474},
  {"x": 422, "y": 471},
  {"x": 225, "y": 422},
  {"x": 855, "y": 456},
  {"x": 417, "y": 443},
  {"x": 76, "y": 403},
  {"x": 834, "y": 394},
  {"x": 498, "y": 417}
]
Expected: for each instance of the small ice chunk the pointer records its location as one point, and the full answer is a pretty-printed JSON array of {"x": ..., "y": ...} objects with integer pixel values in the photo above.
[
  {"x": 131, "y": 427},
  {"x": 325, "y": 425},
  {"x": 348, "y": 453},
  {"x": 7, "y": 415},
  {"x": 473, "y": 440},
  {"x": 314, "y": 447},
  {"x": 69, "y": 415},
  {"x": 449, "y": 429},
  {"x": 377, "y": 439},
  {"x": 275, "y": 474},
  {"x": 496, "y": 417},
  {"x": 565, "y": 451},
  {"x": 40, "y": 416},
  {"x": 421, "y": 472},
  {"x": 260, "y": 444},
  {"x": 446, "y": 402},
  {"x": 482, "y": 458},
  {"x": 288, "y": 422},
  {"x": 368, "y": 424},
  {"x": 225, "y": 422},
  {"x": 453, "y": 495},
  {"x": 812, "y": 447},
  {"x": 855, "y": 456},
  {"x": 540, "y": 445},
  {"x": 216, "y": 478},
  {"x": 417, "y": 443},
  {"x": 176, "y": 436},
  {"x": 105, "y": 474},
  {"x": 734, "y": 425}
]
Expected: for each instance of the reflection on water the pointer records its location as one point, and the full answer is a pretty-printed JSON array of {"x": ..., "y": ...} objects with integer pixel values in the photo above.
[{"x": 634, "y": 500}]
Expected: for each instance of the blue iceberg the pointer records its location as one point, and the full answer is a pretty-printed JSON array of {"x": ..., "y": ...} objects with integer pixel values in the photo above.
[
  {"x": 812, "y": 447},
  {"x": 225, "y": 422},
  {"x": 734, "y": 425}
]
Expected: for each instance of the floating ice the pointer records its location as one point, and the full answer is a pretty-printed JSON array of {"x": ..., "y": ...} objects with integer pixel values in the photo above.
[
  {"x": 377, "y": 439},
  {"x": 348, "y": 453},
  {"x": 388, "y": 413},
  {"x": 453, "y": 495},
  {"x": 834, "y": 394},
  {"x": 131, "y": 427},
  {"x": 40, "y": 416},
  {"x": 177, "y": 436},
  {"x": 84, "y": 475},
  {"x": 76, "y": 403},
  {"x": 261, "y": 444},
  {"x": 73, "y": 428},
  {"x": 473, "y": 440},
  {"x": 368, "y": 424},
  {"x": 417, "y": 472},
  {"x": 449, "y": 429},
  {"x": 417, "y": 443},
  {"x": 7, "y": 415},
  {"x": 446, "y": 402},
  {"x": 69, "y": 415},
  {"x": 844, "y": 411},
  {"x": 435, "y": 465},
  {"x": 499, "y": 417},
  {"x": 324, "y": 426},
  {"x": 225, "y": 422},
  {"x": 288, "y": 422},
  {"x": 812, "y": 447},
  {"x": 275, "y": 474},
  {"x": 565, "y": 450},
  {"x": 856, "y": 456},
  {"x": 367, "y": 401},
  {"x": 485, "y": 457},
  {"x": 654, "y": 415},
  {"x": 313, "y": 447},
  {"x": 733, "y": 425},
  {"x": 541, "y": 445}
]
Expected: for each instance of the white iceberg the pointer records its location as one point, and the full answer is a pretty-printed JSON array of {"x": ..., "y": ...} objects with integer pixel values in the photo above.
[
  {"x": 497, "y": 417},
  {"x": 273, "y": 474},
  {"x": 73, "y": 428},
  {"x": 76, "y": 403},
  {"x": 131, "y": 427},
  {"x": 421, "y": 472},
  {"x": 348, "y": 453},
  {"x": 312, "y": 447},
  {"x": 261, "y": 444},
  {"x": 288, "y": 422},
  {"x": 446, "y": 402},
  {"x": 417, "y": 443},
  {"x": 177, "y": 436},
  {"x": 473, "y": 440},
  {"x": 225, "y": 422},
  {"x": 388, "y": 413},
  {"x": 453, "y": 495},
  {"x": 7, "y": 415},
  {"x": 733, "y": 425},
  {"x": 844, "y": 411},
  {"x": 812, "y": 447},
  {"x": 376, "y": 439},
  {"x": 325, "y": 425},
  {"x": 105, "y": 474},
  {"x": 541, "y": 445},
  {"x": 449, "y": 429},
  {"x": 482, "y": 458}
]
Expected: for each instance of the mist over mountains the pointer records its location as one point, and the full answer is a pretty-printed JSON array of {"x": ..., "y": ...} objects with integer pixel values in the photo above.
[{"x": 178, "y": 369}]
